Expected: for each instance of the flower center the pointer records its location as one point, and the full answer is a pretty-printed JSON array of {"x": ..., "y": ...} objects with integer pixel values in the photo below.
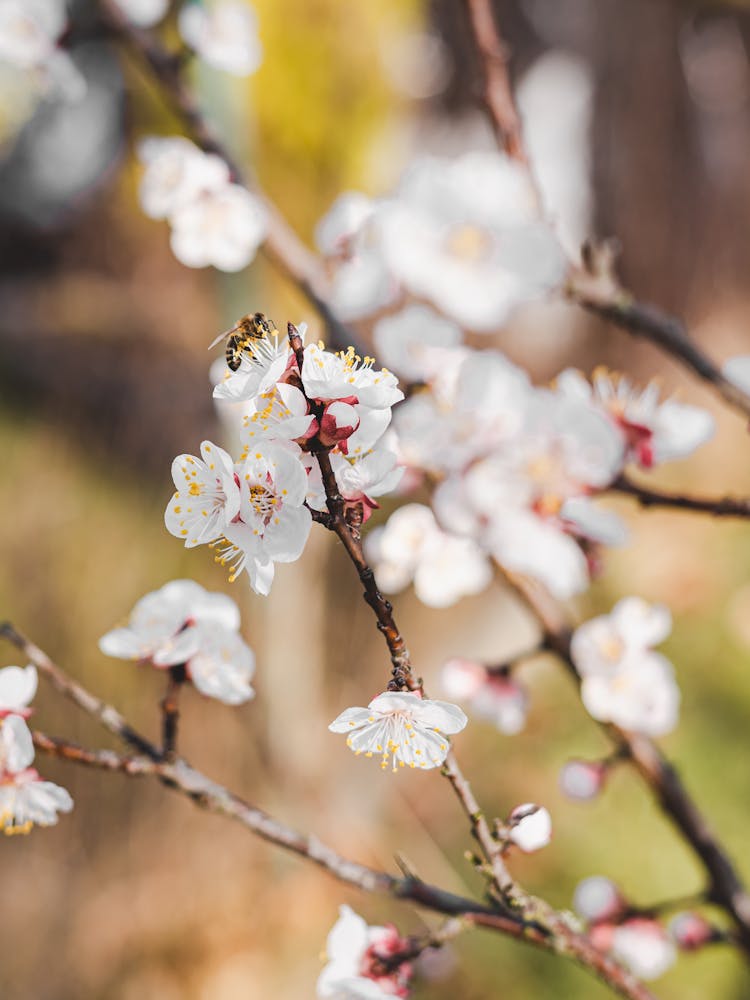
[
  {"x": 263, "y": 502},
  {"x": 468, "y": 243}
]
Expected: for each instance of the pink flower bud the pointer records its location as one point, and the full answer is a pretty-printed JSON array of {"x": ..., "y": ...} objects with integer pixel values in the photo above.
[
  {"x": 598, "y": 900},
  {"x": 462, "y": 678},
  {"x": 582, "y": 780},
  {"x": 339, "y": 421},
  {"x": 690, "y": 931}
]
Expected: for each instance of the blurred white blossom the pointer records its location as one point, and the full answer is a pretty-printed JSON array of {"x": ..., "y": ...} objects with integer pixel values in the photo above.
[
  {"x": 144, "y": 13},
  {"x": 644, "y": 946},
  {"x": 623, "y": 680},
  {"x": 495, "y": 696},
  {"x": 181, "y": 623},
  {"x": 222, "y": 227},
  {"x": 29, "y": 34},
  {"x": 25, "y": 799},
  {"x": 411, "y": 547},
  {"x": 353, "y": 951},
  {"x": 737, "y": 370},
  {"x": 466, "y": 235},
  {"x": 176, "y": 173},
  {"x": 403, "y": 340},
  {"x": 225, "y": 35},
  {"x": 652, "y": 432},
  {"x": 17, "y": 689}
]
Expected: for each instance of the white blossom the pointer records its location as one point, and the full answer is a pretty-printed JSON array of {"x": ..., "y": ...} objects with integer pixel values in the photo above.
[
  {"x": 224, "y": 35},
  {"x": 177, "y": 173},
  {"x": 737, "y": 370},
  {"x": 327, "y": 376},
  {"x": 633, "y": 625},
  {"x": 343, "y": 221},
  {"x": 251, "y": 512},
  {"x": 360, "y": 478},
  {"x": 411, "y": 546},
  {"x": 644, "y": 946},
  {"x": 642, "y": 695},
  {"x": 24, "y": 798},
  {"x": 144, "y": 13},
  {"x": 494, "y": 696},
  {"x": 402, "y": 727},
  {"x": 207, "y": 497},
  {"x": 222, "y": 227},
  {"x": 29, "y": 34},
  {"x": 263, "y": 363},
  {"x": 530, "y": 827},
  {"x": 653, "y": 432},
  {"x": 347, "y": 236},
  {"x": 465, "y": 234},
  {"x": 623, "y": 680},
  {"x": 279, "y": 414},
  {"x": 17, "y": 689},
  {"x": 478, "y": 402},
  {"x": 403, "y": 340},
  {"x": 352, "y": 951},
  {"x": 184, "y": 624}
]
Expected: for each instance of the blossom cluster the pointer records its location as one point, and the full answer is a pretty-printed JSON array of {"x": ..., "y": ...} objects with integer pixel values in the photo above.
[
  {"x": 256, "y": 510},
  {"x": 25, "y": 799},
  {"x": 30, "y": 32},
  {"x": 357, "y": 961},
  {"x": 184, "y": 625},
  {"x": 623, "y": 679},
  {"x": 636, "y": 937},
  {"x": 517, "y": 467},
  {"x": 224, "y": 35},
  {"x": 463, "y": 234},
  {"x": 213, "y": 220}
]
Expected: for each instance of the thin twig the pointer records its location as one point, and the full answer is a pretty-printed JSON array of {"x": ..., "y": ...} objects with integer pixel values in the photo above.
[
  {"x": 209, "y": 795},
  {"x": 179, "y": 776},
  {"x": 536, "y": 922},
  {"x": 170, "y": 709},
  {"x": 106, "y": 714},
  {"x": 498, "y": 93},
  {"x": 282, "y": 245},
  {"x": 717, "y": 506},
  {"x": 566, "y": 939},
  {"x": 592, "y": 287}
]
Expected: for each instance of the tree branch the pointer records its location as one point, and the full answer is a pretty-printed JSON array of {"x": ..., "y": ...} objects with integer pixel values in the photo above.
[
  {"x": 592, "y": 287},
  {"x": 170, "y": 710},
  {"x": 717, "y": 506},
  {"x": 726, "y": 888}
]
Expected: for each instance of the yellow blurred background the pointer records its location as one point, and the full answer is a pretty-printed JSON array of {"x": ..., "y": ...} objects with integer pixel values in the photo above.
[{"x": 137, "y": 895}]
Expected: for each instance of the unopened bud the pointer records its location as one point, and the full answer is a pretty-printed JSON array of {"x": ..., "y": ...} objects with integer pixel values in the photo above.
[
  {"x": 690, "y": 931},
  {"x": 597, "y": 900},
  {"x": 530, "y": 827},
  {"x": 462, "y": 678},
  {"x": 582, "y": 780}
]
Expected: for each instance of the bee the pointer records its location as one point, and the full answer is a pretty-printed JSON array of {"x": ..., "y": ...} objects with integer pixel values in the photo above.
[{"x": 254, "y": 326}]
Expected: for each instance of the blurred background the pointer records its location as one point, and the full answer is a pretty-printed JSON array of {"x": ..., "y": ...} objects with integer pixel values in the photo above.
[{"x": 638, "y": 116}]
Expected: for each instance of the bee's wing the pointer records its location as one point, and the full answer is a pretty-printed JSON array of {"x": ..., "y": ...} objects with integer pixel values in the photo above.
[{"x": 222, "y": 336}]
